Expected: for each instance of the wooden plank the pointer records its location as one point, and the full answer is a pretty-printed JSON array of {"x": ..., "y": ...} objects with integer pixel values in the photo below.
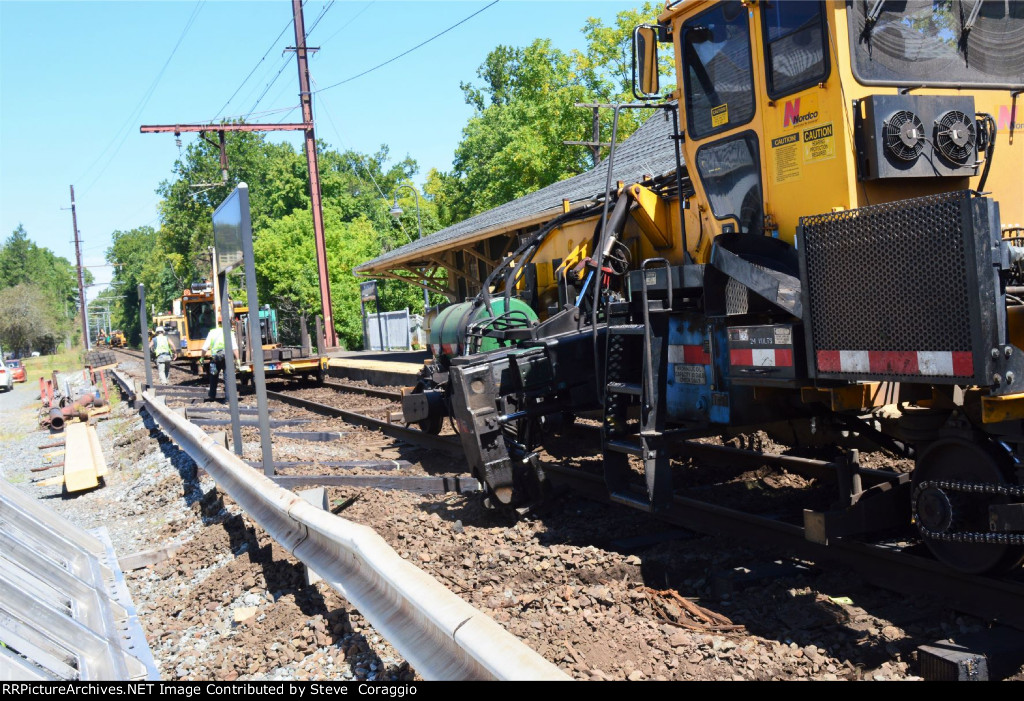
[
  {"x": 138, "y": 560},
  {"x": 80, "y": 468}
]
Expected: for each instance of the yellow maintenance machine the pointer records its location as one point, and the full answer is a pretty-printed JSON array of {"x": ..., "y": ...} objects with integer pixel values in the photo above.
[
  {"x": 199, "y": 310},
  {"x": 839, "y": 254}
]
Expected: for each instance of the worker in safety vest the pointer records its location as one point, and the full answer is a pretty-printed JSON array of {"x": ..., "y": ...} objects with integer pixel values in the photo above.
[
  {"x": 161, "y": 348},
  {"x": 213, "y": 348}
]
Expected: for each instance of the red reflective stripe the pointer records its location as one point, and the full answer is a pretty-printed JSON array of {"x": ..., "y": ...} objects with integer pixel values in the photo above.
[
  {"x": 894, "y": 362},
  {"x": 828, "y": 361},
  {"x": 963, "y": 364},
  {"x": 784, "y": 357},
  {"x": 741, "y": 356},
  {"x": 695, "y": 355}
]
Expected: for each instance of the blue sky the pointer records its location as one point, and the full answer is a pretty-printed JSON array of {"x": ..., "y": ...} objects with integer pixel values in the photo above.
[{"x": 77, "y": 79}]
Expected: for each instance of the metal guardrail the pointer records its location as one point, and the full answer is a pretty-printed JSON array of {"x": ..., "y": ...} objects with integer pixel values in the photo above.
[
  {"x": 439, "y": 634},
  {"x": 65, "y": 612},
  {"x": 126, "y": 384}
]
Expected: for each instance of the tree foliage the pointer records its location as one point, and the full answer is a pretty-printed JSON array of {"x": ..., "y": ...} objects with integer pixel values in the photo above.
[
  {"x": 356, "y": 192},
  {"x": 40, "y": 295},
  {"x": 27, "y": 320},
  {"x": 525, "y": 111}
]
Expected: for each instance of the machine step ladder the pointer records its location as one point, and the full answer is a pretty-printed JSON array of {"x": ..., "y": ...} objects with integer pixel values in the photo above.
[{"x": 631, "y": 385}]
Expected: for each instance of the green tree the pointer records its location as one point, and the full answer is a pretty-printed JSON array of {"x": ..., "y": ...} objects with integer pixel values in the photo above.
[
  {"x": 27, "y": 319},
  {"x": 286, "y": 269},
  {"x": 525, "y": 110},
  {"x": 139, "y": 257},
  {"x": 52, "y": 278}
]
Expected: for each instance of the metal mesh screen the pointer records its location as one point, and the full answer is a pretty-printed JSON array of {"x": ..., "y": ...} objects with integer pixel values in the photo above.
[{"x": 890, "y": 277}]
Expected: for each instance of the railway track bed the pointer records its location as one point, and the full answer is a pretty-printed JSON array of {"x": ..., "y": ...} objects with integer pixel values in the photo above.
[{"x": 601, "y": 591}]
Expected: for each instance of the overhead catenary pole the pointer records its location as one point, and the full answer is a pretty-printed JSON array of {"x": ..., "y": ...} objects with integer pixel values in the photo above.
[
  {"x": 306, "y": 97},
  {"x": 81, "y": 273},
  {"x": 595, "y": 143},
  {"x": 301, "y": 50}
]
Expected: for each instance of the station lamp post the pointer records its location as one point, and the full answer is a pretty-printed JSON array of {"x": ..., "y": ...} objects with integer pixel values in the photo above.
[{"x": 396, "y": 212}]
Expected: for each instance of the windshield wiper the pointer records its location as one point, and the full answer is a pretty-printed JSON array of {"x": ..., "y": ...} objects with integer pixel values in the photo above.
[
  {"x": 871, "y": 17},
  {"x": 967, "y": 26}
]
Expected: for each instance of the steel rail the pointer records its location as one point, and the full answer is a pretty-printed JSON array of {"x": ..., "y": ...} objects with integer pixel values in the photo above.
[
  {"x": 368, "y": 391},
  {"x": 439, "y": 634},
  {"x": 986, "y": 597},
  {"x": 428, "y": 440}
]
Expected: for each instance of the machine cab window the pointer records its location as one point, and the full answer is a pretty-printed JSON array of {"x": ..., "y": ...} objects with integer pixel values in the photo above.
[
  {"x": 718, "y": 76},
  {"x": 938, "y": 43},
  {"x": 795, "y": 45}
]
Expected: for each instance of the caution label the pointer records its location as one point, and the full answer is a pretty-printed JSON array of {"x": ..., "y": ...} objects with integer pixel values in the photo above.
[
  {"x": 786, "y": 152},
  {"x": 819, "y": 144},
  {"x": 719, "y": 116}
]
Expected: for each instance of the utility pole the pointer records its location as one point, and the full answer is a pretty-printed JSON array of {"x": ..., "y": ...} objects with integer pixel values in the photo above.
[
  {"x": 81, "y": 279},
  {"x": 306, "y": 98},
  {"x": 595, "y": 144},
  {"x": 305, "y": 126}
]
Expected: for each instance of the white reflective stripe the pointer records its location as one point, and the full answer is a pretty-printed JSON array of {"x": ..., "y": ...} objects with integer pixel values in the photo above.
[
  {"x": 676, "y": 354},
  {"x": 935, "y": 363},
  {"x": 763, "y": 357},
  {"x": 854, "y": 361}
]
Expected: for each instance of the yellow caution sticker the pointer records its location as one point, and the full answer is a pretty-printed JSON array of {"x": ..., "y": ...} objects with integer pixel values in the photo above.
[
  {"x": 819, "y": 143},
  {"x": 719, "y": 116},
  {"x": 786, "y": 153}
]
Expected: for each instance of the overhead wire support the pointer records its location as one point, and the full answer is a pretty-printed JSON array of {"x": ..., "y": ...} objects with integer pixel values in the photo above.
[{"x": 306, "y": 126}]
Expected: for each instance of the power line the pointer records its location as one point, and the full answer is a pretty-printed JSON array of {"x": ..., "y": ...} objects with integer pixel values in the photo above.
[
  {"x": 365, "y": 8},
  {"x": 285, "y": 64},
  {"x": 322, "y": 105},
  {"x": 409, "y": 51},
  {"x": 287, "y": 61},
  {"x": 254, "y": 69},
  {"x": 133, "y": 117},
  {"x": 320, "y": 17}
]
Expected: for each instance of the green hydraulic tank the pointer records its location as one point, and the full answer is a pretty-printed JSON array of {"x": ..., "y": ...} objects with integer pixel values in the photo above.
[{"x": 448, "y": 332}]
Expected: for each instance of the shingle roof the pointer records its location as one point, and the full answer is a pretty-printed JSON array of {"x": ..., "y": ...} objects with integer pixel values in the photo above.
[{"x": 648, "y": 152}]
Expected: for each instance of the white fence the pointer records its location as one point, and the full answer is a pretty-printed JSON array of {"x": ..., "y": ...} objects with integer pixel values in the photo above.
[{"x": 396, "y": 328}]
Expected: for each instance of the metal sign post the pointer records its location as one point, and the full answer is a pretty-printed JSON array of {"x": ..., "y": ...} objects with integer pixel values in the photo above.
[
  {"x": 144, "y": 329},
  {"x": 230, "y": 389},
  {"x": 232, "y": 236},
  {"x": 368, "y": 293}
]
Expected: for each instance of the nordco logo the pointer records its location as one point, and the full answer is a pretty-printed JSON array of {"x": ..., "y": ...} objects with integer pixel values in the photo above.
[{"x": 792, "y": 116}]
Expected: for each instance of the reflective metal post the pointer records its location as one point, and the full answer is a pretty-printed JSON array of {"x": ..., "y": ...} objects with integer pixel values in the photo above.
[
  {"x": 144, "y": 328},
  {"x": 230, "y": 388},
  {"x": 259, "y": 379}
]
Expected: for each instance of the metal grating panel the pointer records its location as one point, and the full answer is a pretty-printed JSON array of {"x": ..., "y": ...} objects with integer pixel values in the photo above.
[
  {"x": 65, "y": 613},
  {"x": 892, "y": 277}
]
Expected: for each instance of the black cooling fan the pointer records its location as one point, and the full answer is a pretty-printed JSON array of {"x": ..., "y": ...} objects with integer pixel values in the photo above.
[
  {"x": 903, "y": 135},
  {"x": 955, "y": 136}
]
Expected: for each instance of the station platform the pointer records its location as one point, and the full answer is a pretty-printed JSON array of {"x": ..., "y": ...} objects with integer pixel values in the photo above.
[{"x": 382, "y": 368}]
